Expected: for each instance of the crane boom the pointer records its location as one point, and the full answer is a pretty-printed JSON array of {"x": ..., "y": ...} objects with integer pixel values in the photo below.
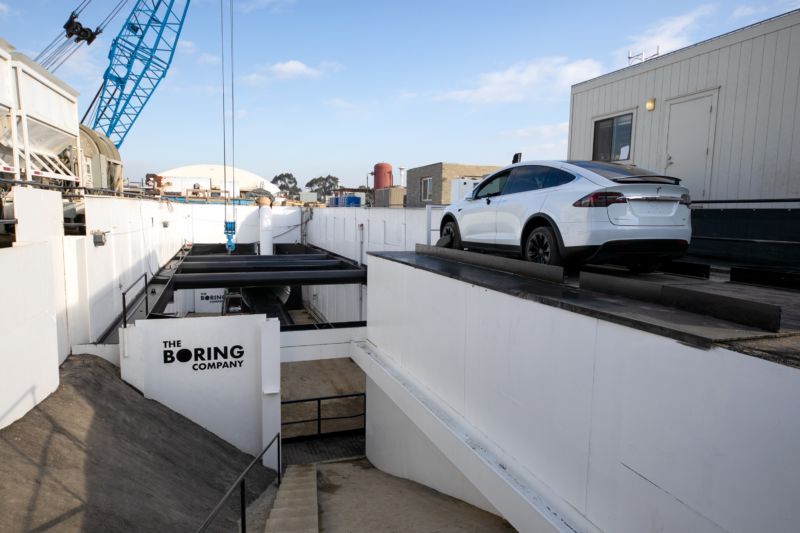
[{"x": 138, "y": 60}]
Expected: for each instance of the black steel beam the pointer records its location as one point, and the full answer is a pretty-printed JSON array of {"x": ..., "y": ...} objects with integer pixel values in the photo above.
[
  {"x": 268, "y": 279},
  {"x": 255, "y": 266},
  {"x": 773, "y": 277},
  {"x": 257, "y": 258}
]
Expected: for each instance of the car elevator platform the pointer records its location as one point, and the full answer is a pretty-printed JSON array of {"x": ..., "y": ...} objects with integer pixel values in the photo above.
[
  {"x": 251, "y": 283},
  {"x": 757, "y": 320}
]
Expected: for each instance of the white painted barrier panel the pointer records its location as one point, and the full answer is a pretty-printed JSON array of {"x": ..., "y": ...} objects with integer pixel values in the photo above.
[
  {"x": 41, "y": 219},
  {"x": 315, "y": 344},
  {"x": 220, "y": 372},
  {"x": 613, "y": 427},
  {"x": 28, "y": 343},
  {"x": 352, "y": 232}
]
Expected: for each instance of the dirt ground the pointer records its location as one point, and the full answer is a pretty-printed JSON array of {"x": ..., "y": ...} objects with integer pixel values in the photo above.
[
  {"x": 326, "y": 377},
  {"x": 355, "y": 497},
  {"x": 97, "y": 456}
]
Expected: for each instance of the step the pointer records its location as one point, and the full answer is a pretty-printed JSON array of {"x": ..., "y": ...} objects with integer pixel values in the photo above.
[
  {"x": 295, "y": 509},
  {"x": 302, "y": 523}
]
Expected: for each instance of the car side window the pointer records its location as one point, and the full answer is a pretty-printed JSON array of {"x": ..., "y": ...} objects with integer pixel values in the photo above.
[
  {"x": 557, "y": 177},
  {"x": 527, "y": 178},
  {"x": 493, "y": 186}
]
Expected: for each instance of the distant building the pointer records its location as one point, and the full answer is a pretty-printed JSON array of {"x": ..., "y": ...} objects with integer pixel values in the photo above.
[
  {"x": 234, "y": 180},
  {"x": 431, "y": 184}
]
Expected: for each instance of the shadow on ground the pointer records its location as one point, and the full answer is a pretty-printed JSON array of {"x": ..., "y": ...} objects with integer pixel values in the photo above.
[{"x": 97, "y": 456}]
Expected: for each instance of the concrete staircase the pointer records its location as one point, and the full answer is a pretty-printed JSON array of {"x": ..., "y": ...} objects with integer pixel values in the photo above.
[{"x": 295, "y": 507}]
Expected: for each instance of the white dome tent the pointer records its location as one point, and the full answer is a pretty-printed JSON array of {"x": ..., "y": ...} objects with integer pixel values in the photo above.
[{"x": 181, "y": 179}]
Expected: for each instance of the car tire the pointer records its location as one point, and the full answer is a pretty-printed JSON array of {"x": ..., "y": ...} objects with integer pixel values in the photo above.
[
  {"x": 541, "y": 247},
  {"x": 451, "y": 228}
]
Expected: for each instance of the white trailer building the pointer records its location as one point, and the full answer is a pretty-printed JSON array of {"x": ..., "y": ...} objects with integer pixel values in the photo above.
[{"x": 724, "y": 116}]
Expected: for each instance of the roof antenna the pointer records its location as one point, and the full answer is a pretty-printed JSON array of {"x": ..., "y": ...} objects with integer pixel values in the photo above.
[{"x": 517, "y": 158}]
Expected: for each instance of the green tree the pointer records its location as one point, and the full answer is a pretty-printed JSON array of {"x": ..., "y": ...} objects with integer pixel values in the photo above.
[
  {"x": 323, "y": 186},
  {"x": 287, "y": 183}
]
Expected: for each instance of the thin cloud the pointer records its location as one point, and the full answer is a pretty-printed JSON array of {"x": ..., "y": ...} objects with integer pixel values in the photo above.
[
  {"x": 667, "y": 34},
  {"x": 187, "y": 47},
  {"x": 4, "y": 10},
  {"x": 293, "y": 69},
  {"x": 542, "y": 142},
  {"x": 543, "y": 78},
  {"x": 746, "y": 12},
  {"x": 208, "y": 59},
  {"x": 288, "y": 70},
  {"x": 340, "y": 103}
]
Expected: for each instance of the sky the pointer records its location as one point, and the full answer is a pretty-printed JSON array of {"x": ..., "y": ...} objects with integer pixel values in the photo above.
[{"x": 333, "y": 87}]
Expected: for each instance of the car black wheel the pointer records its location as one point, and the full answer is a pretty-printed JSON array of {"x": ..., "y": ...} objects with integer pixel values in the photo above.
[
  {"x": 450, "y": 229},
  {"x": 541, "y": 247}
]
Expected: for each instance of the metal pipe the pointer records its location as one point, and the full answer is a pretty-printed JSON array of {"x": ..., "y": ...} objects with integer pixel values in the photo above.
[
  {"x": 242, "y": 506},
  {"x": 9, "y": 221}
]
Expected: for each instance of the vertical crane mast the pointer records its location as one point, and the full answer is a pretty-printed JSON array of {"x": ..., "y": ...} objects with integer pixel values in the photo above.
[{"x": 138, "y": 60}]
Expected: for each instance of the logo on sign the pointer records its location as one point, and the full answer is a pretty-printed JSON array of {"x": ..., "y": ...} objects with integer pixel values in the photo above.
[
  {"x": 211, "y": 297},
  {"x": 203, "y": 357}
]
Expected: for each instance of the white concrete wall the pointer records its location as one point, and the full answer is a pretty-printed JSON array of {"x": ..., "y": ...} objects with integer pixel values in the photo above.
[
  {"x": 136, "y": 243},
  {"x": 613, "y": 428},
  {"x": 40, "y": 218},
  {"x": 352, "y": 233},
  {"x": 85, "y": 282},
  {"x": 315, "y": 344},
  {"x": 337, "y": 303},
  {"x": 28, "y": 332},
  {"x": 241, "y": 403},
  {"x": 397, "y": 446}
]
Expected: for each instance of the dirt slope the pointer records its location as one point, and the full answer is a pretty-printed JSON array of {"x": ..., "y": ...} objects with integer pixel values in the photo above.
[{"x": 97, "y": 456}]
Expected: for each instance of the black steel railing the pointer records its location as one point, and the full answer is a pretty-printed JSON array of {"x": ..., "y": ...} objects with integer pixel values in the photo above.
[
  {"x": 319, "y": 418},
  {"x": 240, "y": 483},
  {"x": 125, "y": 302}
]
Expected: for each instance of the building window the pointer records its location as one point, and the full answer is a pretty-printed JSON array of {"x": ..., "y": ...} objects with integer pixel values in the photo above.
[
  {"x": 426, "y": 190},
  {"x": 612, "y": 138}
]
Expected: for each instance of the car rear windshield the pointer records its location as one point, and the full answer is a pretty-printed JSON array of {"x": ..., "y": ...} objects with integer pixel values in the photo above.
[{"x": 624, "y": 173}]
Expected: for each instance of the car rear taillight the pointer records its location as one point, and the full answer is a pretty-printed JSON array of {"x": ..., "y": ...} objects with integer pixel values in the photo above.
[
  {"x": 686, "y": 199},
  {"x": 600, "y": 199}
]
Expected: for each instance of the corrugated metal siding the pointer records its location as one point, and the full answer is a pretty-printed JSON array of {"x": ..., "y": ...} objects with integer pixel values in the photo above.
[{"x": 756, "y": 149}]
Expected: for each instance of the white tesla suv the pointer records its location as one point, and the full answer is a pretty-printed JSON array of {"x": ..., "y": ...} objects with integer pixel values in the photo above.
[{"x": 561, "y": 212}]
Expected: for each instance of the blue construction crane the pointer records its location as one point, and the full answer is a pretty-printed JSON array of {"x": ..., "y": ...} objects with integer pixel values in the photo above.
[{"x": 138, "y": 60}]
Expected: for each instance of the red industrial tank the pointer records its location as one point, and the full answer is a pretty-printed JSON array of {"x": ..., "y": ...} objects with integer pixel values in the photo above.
[{"x": 383, "y": 176}]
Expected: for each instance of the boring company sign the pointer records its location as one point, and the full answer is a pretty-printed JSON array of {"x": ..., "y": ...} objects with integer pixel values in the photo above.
[
  {"x": 213, "y": 370},
  {"x": 203, "y": 357}
]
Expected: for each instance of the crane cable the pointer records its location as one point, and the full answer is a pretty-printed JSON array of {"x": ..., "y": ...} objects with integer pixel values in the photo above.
[
  {"x": 60, "y": 35},
  {"x": 224, "y": 114},
  {"x": 230, "y": 224},
  {"x": 55, "y": 55},
  {"x": 233, "y": 119}
]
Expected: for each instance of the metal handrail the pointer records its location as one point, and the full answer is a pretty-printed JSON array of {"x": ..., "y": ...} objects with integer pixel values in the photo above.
[
  {"x": 240, "y": 483},
  {"x": 319, "y": 419},
  {"x": 124, "y": 302}
]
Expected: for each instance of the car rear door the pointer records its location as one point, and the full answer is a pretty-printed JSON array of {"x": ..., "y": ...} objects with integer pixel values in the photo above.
[
  {"x": 649, "y": 204},
  {"x": 523, "y": 195},
  {"x": 476, "y": 218}
]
